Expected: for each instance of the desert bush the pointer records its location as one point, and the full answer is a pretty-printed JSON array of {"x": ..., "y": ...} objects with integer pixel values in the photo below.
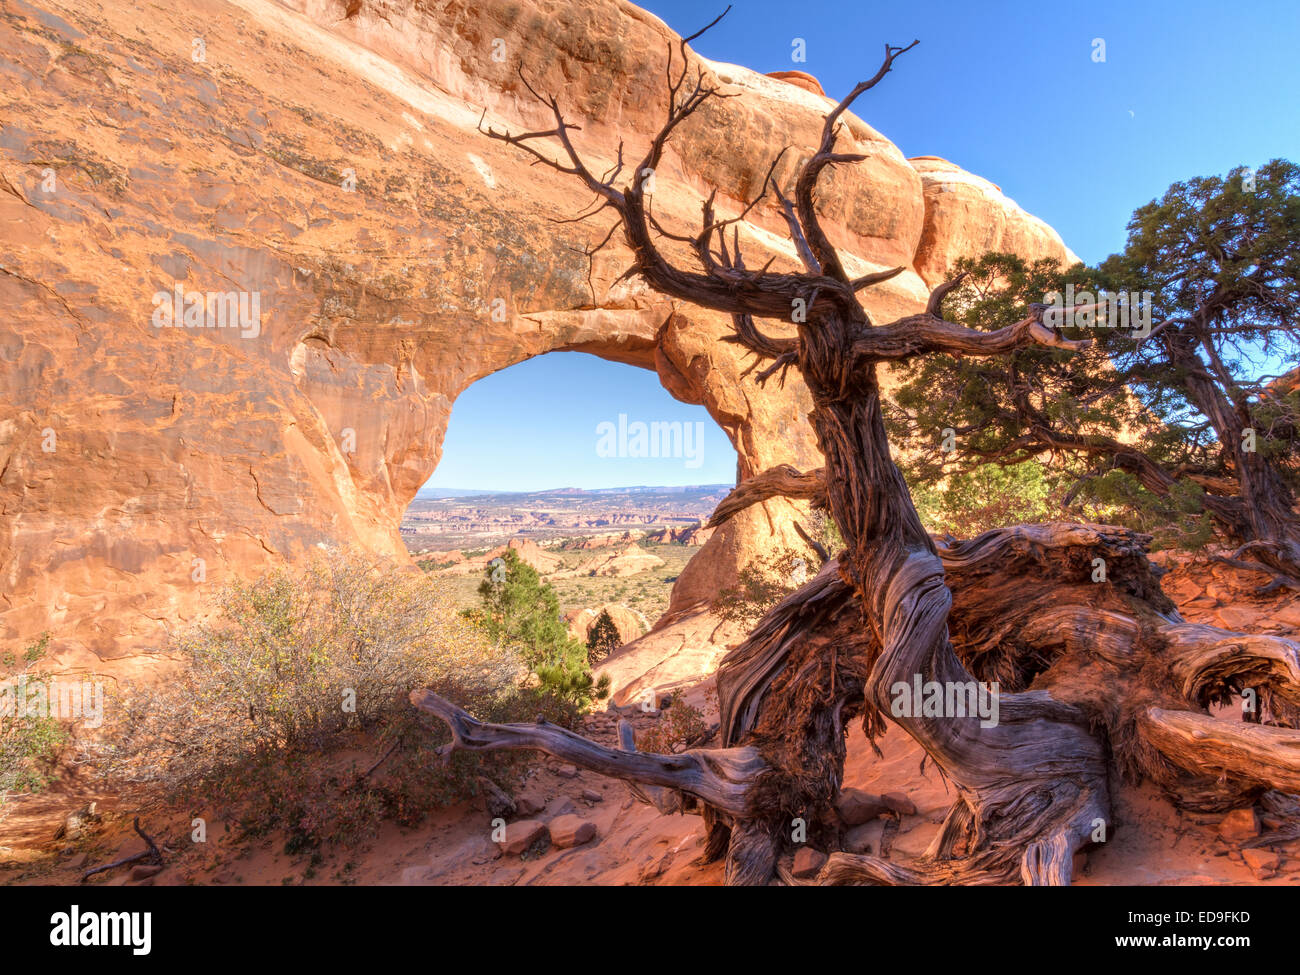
[
  {"x": 763, "y": 583},
  {"x": 290, "y": 710},
  {"x": 680, "y": 726},
  {"x": 30, "y": 743}
]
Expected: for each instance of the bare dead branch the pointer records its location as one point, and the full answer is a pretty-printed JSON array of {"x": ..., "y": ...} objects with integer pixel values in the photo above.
[{"x": 783, "y": 481}]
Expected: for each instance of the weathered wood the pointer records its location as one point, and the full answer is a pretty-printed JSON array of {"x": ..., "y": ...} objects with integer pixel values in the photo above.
[
  {"x": 1250, "y": 753},
  {"x": 719, "y": 777}
]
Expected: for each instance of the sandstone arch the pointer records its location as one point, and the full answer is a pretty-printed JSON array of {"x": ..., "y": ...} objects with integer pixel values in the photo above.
[{"x": 176, "y": 445}]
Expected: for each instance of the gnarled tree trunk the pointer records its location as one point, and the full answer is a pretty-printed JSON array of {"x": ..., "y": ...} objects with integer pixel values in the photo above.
[{"x": 1094, "y": 671}]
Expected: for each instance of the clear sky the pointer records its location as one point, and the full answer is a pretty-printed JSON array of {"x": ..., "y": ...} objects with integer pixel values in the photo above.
[
  {"x": 1010, "y": 91},
  {"x": 533, "y": 426}
]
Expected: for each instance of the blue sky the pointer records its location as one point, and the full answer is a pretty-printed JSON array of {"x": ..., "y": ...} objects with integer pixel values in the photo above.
[
  {"x": 534, "y": 426},
  {"x": 1009, "y": 91}
]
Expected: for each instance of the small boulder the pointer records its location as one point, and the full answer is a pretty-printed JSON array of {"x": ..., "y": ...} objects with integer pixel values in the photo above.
[
  {"x": 527, "y": 807},
  {"x": 591, "y": 795},
  {"x": 1263, "y": 863},
  {"x": 521, "y": 835},
  {"x": 1239, "y": 825},
  {"x": 857, "y": 807},
  {"x": 143, "y": 871},
  {"x": 899, "y": 803},
  {"x": 865, "y": 838},
  {"x": 567, "y": 831},
  {"x": 560, "y": 806},
  {"x": 807, "y": 862},
  {"x": 567, "y": 771}
]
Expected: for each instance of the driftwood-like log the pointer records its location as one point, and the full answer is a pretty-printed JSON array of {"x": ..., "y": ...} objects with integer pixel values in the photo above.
[
  {"x": 150, "y": 853},
  {"x": 1249, "y": 753},
  {"x": 718, "y": 777}
]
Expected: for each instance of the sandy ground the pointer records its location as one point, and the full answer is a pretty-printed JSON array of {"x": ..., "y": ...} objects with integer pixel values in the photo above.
[{"x": 1152, "y": 842}]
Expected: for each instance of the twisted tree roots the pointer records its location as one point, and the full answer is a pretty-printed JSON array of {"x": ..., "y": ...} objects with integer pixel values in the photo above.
[{"x": 1094, "y": 679}]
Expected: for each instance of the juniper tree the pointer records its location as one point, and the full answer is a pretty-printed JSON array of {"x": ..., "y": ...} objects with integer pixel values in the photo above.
[
  {"x": 1098, "y": 674},
  {"x": 1193, "y": 410}
]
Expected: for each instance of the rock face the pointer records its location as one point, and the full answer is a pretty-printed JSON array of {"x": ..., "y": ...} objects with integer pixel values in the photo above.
[
  {"x": 304, "y": 182},
  {"x": 965, "y": 214},
  {"x": 629, "y": 623}
]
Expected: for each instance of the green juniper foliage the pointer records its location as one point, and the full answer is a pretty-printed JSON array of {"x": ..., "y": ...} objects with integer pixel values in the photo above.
[
  {"x": 603, "y": 638},
  {"x": 1162, "y": 426},
  {"x": 521, "y": 610}
]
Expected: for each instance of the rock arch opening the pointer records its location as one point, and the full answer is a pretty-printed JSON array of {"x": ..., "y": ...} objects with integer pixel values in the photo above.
[{"x": 591, "y": 470}]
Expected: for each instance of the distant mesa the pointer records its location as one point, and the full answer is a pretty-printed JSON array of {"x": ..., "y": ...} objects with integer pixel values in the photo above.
[
  {"x": 624, "y": 562},
  {"x": 685, "y": 535},
  {"x": 527, "y": 550}
]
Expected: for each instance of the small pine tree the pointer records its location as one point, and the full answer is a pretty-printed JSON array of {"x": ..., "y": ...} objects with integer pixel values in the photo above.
[
  {"x": 603, "y": 638},
  {"x": 521, "y": 609}
]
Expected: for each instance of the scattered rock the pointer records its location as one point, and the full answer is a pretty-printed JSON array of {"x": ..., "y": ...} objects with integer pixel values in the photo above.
[
  {"x": 654, "y": 866},
  {"x": 527, "y": 807},
  {"x": 521, "y": 835},
  {"x": 1239, "y": 825},
  {"x": 807, "y": 862},
  {"x": 560, "y": 806},
  {"x": 864, "y": 838},
  {"x": 857, "y": 807},
  {"x": 1263, "y": 863},
  {"x": 77, "y": 824},
  {"x": 498, "y": 802},
  {"x": 591, "y": 795},
  {"x": 567, "y": 831},
  {"x": 899, "y": 803},
  {"x": 566, "y": 771},
  {"x": 418, "y": 877},
  {"x": 143, "y": 871}
]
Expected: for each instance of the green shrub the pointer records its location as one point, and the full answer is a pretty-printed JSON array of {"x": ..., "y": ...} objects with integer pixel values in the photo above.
[
  {"x": 291, "y": 712},
  {"x": 970, "y": 501},
  {"x": 522, "y": 611},
  {"x": 763, "y": 583},
  {"x": 603, "y": 638},
  {"x": 30, "y": 744}
]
